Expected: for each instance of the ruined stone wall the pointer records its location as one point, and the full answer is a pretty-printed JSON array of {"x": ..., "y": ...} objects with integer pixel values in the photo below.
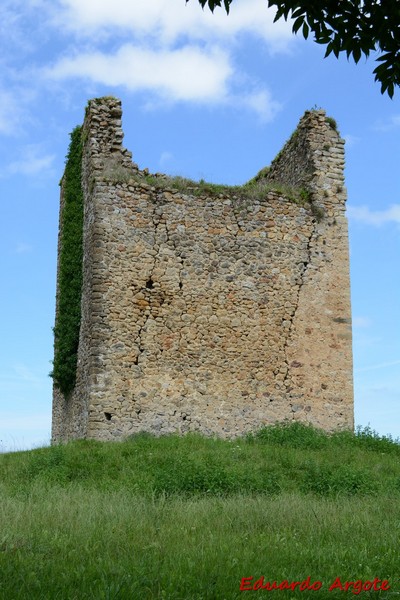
[{"x": 210, "y": 313}]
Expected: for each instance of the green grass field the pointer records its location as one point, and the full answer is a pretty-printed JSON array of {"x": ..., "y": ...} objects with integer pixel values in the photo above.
[{"x": 188, "y": 518}]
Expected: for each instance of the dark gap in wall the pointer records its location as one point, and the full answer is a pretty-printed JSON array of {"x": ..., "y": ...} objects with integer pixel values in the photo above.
[
  {"x": 180, "y": 285},
  {"x": 107, "y": 416},
  {"x": 149, "y": 284}
]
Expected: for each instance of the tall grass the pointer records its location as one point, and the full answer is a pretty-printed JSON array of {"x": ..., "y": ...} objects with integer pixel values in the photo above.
[{"x": 188, "y": 518}]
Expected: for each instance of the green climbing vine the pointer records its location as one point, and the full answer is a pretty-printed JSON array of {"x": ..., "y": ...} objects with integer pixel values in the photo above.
[{"x": 66, "y": 330}]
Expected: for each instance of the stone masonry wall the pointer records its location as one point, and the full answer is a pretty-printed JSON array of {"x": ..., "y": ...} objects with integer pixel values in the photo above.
[{"x": 212, "y": 314}]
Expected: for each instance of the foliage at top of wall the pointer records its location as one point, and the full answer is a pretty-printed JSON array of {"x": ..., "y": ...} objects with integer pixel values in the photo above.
[
  {"x": 295, "y": 134},
  {"x": 255, "y": 189},
  {"x": 332, "y": 123},
  {"x": 66, "y": 330}
]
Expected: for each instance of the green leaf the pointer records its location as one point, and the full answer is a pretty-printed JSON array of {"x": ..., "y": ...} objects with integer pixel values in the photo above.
[
  {"x": 328, "y": 50},
  {"x": 297, "y": 24},
  {"x": 356, "y": 54},
  {"x": 353, "y": 26},
  {"x": 299, "y": 12},
  {"x": 279, "y": 12}
]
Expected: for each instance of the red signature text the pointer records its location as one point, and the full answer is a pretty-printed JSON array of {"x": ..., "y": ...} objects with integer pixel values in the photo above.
[{"x": 248, "y": 584}]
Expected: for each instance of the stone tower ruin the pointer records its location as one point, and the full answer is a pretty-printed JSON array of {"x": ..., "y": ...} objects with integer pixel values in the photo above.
[{"x": 208, "y": 308}]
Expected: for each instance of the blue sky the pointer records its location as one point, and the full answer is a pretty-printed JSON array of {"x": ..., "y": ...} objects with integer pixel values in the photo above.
[{"x": 204, "y": 96}]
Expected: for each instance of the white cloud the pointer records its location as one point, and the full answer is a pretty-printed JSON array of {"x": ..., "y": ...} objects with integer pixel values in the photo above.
[
  {"x": 31, "y": 162},
  {"x": 24, "y": 430},
  {"x": 188, "y": 73},
  {"x": 170, "y": 20},
  {"x": 9, "y": 113},
  {"x": 177, "y": 52},
  {"x": 165, "y": 159},
  {"x": 262, "y": 103},
  {"x": 25, "y": 373},
  {"x": 388, "y": 124},
  {"x": 378, "y": 366},
  {"x": 377, "y": 217},
  {"x": 350, "y": 140},
  {"x": 23, "y": 248},
  {"x": 361, "y": 322},
  {"x": 26, "y": 422}
]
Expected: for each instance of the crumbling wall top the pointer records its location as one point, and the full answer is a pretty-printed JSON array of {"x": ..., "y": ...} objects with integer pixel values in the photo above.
[
  {"x": 102, "y": 137},
  {"x": 313, "y": 159}
]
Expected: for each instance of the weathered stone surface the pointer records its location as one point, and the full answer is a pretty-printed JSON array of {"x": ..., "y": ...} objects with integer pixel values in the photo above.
[{"x": 210, "y": 314}]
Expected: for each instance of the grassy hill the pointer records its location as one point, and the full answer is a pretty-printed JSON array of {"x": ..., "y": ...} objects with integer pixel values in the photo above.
[{"x": 190, "y": 517}]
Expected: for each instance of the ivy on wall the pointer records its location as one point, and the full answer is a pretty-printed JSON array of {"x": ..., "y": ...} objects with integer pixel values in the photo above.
[{"x": 66, "y": 330}]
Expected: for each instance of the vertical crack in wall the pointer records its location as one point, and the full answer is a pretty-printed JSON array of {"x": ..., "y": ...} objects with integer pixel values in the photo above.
[
  {"x": 236, "y": 212},
  {"x": 149, "y": 280},
  {"x": 303, "y": 274},
  {"x": 139, "y": 339},
  {"x": 178, "y": 256},
  {"x": 155, "y": 219},
  {"x": 181, "y": 267},
  {"x": 171, "y": 241}
]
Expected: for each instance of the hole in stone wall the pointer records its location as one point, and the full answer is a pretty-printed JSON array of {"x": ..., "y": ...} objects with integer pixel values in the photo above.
[
  {"x": 149, "y": 284},
  {"x": 107, "y": 416},
  {"x": 180, "y": 285}
]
